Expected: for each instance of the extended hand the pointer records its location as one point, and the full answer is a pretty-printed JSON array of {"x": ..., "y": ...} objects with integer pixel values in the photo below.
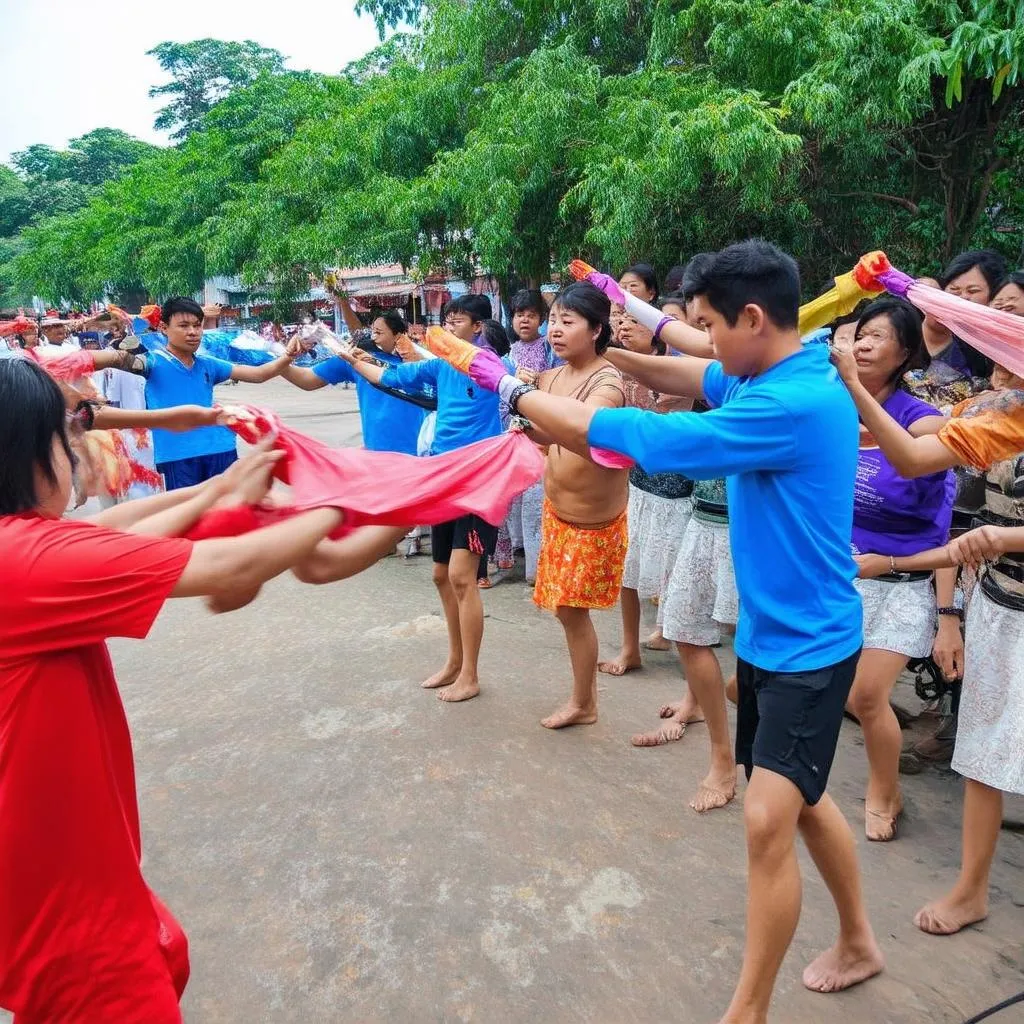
[
  {"x": 948, "y": 651},
  {"x": 247, "y": 481},
  {"x": 481, "y": 365},
  {"x": 585, "y": 272},
  {"x": 984, "y": 544},
  {"x": 871, "y": 566}
]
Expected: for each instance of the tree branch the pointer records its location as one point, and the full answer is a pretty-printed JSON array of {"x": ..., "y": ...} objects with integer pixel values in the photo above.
[{"x": 907, "y": 204}]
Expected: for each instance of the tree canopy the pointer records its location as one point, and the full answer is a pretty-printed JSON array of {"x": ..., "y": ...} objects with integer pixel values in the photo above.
[{"x": 510, "y": 136}]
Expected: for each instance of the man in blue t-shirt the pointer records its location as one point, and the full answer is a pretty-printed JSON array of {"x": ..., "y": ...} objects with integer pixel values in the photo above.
[
  {"x": 182, "y": 375},
  {"x": 783, "y": 432}
]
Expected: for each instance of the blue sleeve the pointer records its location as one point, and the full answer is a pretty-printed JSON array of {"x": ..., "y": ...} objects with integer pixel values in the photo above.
[
  {"x": 715, "y": 384},
  {"x": 222, "y": 369},
  {"x": 747, "y": 434},
  {"x": 335, "y": 371},
  {"x": 413, "y": 376}
]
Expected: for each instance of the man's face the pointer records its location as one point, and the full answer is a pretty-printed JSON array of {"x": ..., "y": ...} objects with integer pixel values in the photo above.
[
  {"x": 736, "y": 347},
  {"x": 461, "y": 325},
  {"x": 184, "y": 332},
  {"x": 56, "y": 335}
]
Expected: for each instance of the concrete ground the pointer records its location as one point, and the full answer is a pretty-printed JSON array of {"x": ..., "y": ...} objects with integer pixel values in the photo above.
[{"x": 343, "y": 847}]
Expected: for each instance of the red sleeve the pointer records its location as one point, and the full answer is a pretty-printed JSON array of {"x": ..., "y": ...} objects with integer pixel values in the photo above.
[{"x": 65, "y": 583}]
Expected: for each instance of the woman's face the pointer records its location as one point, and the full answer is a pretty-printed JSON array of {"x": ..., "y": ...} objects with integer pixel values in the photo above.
[
  {"x": 54, "y": 495},
  {"x": 674, "y": 310},
  {"x": 383, "y": 337},
  {"x": 971, "y": 286},
  {"x": 571, "y": 335},
  {"x": 877, "y": 351},
  {"x": 1010, "y": 299},
  {"x": 630, "y": 282},
  {"x": 635, "y": 336}
]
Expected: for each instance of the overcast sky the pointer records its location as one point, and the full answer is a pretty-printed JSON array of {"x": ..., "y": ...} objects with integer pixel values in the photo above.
[{"x": 68, "y": 66}]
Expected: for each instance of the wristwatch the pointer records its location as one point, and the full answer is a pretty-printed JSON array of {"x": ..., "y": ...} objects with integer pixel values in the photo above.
[{"x": 955, "y": 612}]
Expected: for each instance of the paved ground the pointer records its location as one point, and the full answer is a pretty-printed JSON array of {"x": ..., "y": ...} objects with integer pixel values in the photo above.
[{"x": 343, "y": 847}]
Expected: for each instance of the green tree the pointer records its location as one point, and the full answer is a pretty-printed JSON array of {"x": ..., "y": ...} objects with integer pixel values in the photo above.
[{"x": 202, "y": 73}]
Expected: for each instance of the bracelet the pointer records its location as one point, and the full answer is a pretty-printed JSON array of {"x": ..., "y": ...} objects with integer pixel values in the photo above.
[
  {"x": 517, "y": 394},
  {"x": 892, "y": 564},
  {"x": 661, "y": 323},
  {"x": 957, "y": 613}
]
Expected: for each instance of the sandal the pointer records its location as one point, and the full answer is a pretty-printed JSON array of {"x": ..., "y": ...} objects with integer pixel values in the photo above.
[{"x": 890, "y": 830}]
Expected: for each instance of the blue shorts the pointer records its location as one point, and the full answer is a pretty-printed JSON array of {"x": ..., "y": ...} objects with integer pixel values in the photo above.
[
  {"x": 196, "y": 470},
  {"x": 788, "y": 722}
]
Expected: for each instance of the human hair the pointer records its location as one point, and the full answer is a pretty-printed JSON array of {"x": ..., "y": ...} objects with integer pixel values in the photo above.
[
  {"x": 528, "y": 301},
  {"x": 674, "y": 278},
  {"x": 394, "y": 320},
  {"x": 675, "y": 298},
  {"x": 990, "y": 264},
  {"x": 477, "y": 307},
  {"x": 646, "y": 274},
  {"x": 841, "y": 321},
  {"x": 31, "y": 415},
  {"x": 1013, "y": 277},
  {"x": 496, "y": 336},
  {"x": 180, "y": 304},
  {"x": 695, "y": 266},
  {"x": 751, "y": 273},
  {"x": 906, "y": 324},
  {"x": 592, "y": 304}
]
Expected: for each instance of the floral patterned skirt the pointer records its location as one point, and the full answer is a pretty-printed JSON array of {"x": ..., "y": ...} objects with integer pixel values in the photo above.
[{"x": 579, "y": 567}]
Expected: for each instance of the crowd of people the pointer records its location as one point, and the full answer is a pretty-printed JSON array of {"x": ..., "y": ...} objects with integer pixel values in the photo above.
[{"x": 839, "y": 509}]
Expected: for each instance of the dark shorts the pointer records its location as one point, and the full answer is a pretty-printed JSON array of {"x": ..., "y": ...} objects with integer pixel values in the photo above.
[
  {"x": 470, "y": 533},
  {"x": 788, "y": 722},
  {"x": 198, "y": 469}
]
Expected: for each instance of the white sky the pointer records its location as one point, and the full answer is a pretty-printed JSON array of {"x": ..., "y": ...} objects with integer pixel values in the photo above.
[{"x": 68, "y": 66}]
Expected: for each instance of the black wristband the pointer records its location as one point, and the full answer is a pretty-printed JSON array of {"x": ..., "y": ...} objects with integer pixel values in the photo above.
[
  {"x": 513, "y": 399},
  {"x": 955, "y": 612}
]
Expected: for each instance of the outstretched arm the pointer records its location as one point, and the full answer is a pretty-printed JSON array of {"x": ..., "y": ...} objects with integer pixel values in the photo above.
[
  {"x": 176, "y": 417},
  {"x": 683, "y": 377},
  {"x": 333, "y": 560},
  {"x": 261, "y": 374}
]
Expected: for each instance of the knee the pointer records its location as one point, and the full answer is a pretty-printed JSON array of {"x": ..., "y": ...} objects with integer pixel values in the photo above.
[
  {"x": 463, "y": 583},
  {"x": 567, "y": 615},
  {"x": 766, "y": 838},
  {"x": 867, "y": 703},
  {"x": 440, "y": 575}
]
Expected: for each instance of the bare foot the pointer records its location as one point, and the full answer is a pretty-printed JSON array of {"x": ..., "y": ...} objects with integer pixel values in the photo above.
[
  {"x": 445, "y": 677},
  {"x": 950, "y": 914},
  {"x": 882, "y": 826},
  {"x": 570, "y": 715},
  {"x": 461, "y": 689},
  {"x": 717, "y": 789},
  {"x": 624, "y": 662},
  {"x": 842, "y": 967},
  {"x": 656, "y": 642},
  {"x": 668, "y": 733},
  {"x": 685, "y": 711}
]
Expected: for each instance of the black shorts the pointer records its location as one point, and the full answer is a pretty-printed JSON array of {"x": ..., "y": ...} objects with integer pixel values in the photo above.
[
  {"x": 470, "y": 533},
  {"x": 788, "y": 722}
]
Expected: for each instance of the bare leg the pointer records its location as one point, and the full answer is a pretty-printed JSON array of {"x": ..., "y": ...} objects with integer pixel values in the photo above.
[
  {"x": 462, "y": 570},
  {"x": 855, "y": 957},
  {"x": 877, "y": 672},
  {"x": 628, "y": 659},
  {"x": 967, "y": 902},
  {"x": 338, "y": 559},
  {"x": 771, "y": 809},
  {"x": 704, "y": 676},
  {"x": 453, "y": 663},
  {"x": 581, "y": 638}
]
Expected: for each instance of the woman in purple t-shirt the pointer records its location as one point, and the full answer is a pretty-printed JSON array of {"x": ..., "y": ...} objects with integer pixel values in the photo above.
[{"x": 892, "y": 516}]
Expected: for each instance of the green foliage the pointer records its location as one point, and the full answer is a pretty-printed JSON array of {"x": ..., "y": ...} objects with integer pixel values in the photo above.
[
  {"x": 202, "y": 73},
  {"x": 511, "y": 135}
]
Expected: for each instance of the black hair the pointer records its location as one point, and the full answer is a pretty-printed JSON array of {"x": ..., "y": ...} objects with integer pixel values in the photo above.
[
  {"x": 677, "y": 298},
  {"x": 646, "y": 274},
  {"x": 1013, "y": 277},
  {"x": 496, "y": 336},
  {"x": 528, "y": 301},
  {"x": 850, "y": 318},
  {"x": 592, "y": 304},
  {"x": 693, "y": 269},
  {"x": 31, "y": 415},
  {"x": 754, "y": 273},
  {"x": 395, "y": 321},
  {"x": 478, "y": 307},
  {"x": 674, "y": 278},
  {"x": 990, "y": 265},
  {"x": 180, "y": 304},
  {"x": 906, "y": 324}
]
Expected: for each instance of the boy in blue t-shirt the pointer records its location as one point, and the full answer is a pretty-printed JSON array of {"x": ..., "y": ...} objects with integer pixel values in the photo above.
[
  {"x": 784, "y": 433},
  {"x": 181, "y": 375}
]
